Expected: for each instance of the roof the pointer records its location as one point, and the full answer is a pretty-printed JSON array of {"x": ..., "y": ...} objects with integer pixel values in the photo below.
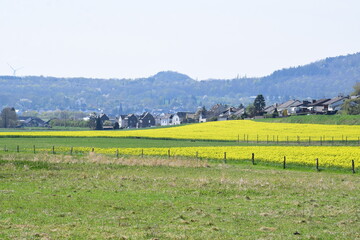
[
  {"x": 239, "y": 112},
  {"x": 144, "y": 115},
  {"x": 269, "y": 109},
  {"x": 290, "y": 103},
  {"x": 334, "y": 100},
  {"x": 182, "y": 114},
  {"x": 319, "y": 102}
]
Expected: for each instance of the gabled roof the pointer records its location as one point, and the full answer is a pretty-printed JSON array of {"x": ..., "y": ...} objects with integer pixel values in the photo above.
[
  {"x": 144, "y": 115},
  {"x": 290, "y": 103},
  {"x": 167, "y": 115},
  {"x": 182, "y": 114},
  {"x": 130, "y": 115},
  {"x": 269, "y": 109},
  {"x": 334, "y": 100},
  {"x": 240, "y": 112},
  {"x": 319, "y": 102}
]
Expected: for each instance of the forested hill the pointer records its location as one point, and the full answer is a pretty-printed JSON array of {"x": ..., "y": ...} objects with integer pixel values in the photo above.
[{"x": 171, "y": 90}]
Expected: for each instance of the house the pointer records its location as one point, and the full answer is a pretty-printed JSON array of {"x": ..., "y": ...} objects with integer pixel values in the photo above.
[
  {"x": 228, "y": 114},
  {"x": 211, "y": 115},
  {"x": 146, "y": 120},
  {"x": 104, "y": 117},
  {"x": 190, "y": 118},
  {"x": 184, "y": 117},
  {"x": 175, "y": 120},
  {"x": 32, "y": 122},
  {"x": 122, "y": 122},
  {"x": 157, "y": 120},
  {"x": 270, "y": 109},
  {"x": 166, "y": 119},
  {"x": 334, "y": 105},
  {"x": 288, "y": 107},
  {"x": 130, "y": 121},
  {"x": 318, "y": 106}
]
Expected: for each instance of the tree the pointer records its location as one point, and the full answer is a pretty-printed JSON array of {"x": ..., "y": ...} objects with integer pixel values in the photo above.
[
  {"x": 92, "y": 120},
  {"x": 8, "y": 118},
  {"x": 259, "y": 104},
  {"x": 250, "y": 110},
  {"x": 99, "y": 124},
  {"x": 352, "y": 106},
  {"x": 356, "y": 88}
]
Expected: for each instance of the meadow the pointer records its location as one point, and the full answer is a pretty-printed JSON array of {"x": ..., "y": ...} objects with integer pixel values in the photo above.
[
  {"x": 337, "y": 119},
  {"x": 195, "y": 181},
  {"x": 98, "y": 197}
]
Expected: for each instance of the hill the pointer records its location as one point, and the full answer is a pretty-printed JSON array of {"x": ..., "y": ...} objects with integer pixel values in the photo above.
[{"x": 168, "y": 91}]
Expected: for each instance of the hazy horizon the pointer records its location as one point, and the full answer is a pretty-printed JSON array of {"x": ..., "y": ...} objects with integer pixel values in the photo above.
[{"x": 202, "y": 39}]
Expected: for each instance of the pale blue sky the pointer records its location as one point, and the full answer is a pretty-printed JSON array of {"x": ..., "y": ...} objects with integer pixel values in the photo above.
[{"x": 201, "y": 38}]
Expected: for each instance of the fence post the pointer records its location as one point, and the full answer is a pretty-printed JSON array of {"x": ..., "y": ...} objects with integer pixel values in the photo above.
[
  {"x": 317, "y": 164},
  {"x": 53, "y": 149},
  {"x": 224, "y": 157},
  {"x": 71, "y": 150},
  {"x": 309, "y": 140},
  {"x": 169, "y": 153},
  {"x": 117, "y": 153},
  {"x": 353, "y": 166},
  {"x": 17, "y": 148},
  {"x": 238, "y": 137},
  {"x": 197, "y": 155},
  {"x": 284, "y": 162},
  {"x": 92, "y": 150},
  {"x": 34, "y": 149},
  {"x": 253, "y": 158},
  {"x": 142, "y": 153},
  {"x": 321, "y": 141}
]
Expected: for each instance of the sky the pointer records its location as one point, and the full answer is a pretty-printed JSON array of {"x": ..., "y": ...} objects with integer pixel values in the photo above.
[{"x": 201, "y": 38}]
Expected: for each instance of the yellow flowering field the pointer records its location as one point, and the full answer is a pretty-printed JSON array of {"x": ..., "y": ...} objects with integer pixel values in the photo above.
[
  {"x": 225, "y": 130},
  {"x": 328, "y": 156}
]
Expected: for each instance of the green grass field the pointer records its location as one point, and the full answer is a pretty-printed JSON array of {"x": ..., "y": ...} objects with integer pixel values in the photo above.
[
  {"x": 101, "y": 142},
  {"x": 317, "y": 119},
  {"x": 97, "y": 197},
  {"x": 93, "y": 196}
]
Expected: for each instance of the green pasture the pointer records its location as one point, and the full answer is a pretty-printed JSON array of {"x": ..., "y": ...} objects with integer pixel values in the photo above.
[
  {"x": 317, "y": 119},
  {"x": 63, "y": 197},
  {"x": 40, "y": 142}
]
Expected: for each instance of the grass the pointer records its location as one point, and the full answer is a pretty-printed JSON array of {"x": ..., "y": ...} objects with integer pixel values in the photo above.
[
  {"x": 101, "y": 142},
  {"x": 96, "y": 197},
  {"x": 317, "y": 119}
]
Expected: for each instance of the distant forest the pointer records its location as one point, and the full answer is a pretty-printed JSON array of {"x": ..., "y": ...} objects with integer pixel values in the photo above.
[{"x": 171, "y": 91}]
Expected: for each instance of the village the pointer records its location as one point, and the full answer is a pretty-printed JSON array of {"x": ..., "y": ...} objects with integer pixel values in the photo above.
[{"x": 218, "y": 112}]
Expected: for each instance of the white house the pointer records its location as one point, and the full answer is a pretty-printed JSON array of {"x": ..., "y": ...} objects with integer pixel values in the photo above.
[
  {"x": 166, "y": 119},
  {"x": 334, "y": 104},
  {"x": 175, "y": 120}
]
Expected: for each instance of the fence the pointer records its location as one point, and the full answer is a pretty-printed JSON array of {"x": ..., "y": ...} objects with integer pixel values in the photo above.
[{"x": 117, "y": 154}]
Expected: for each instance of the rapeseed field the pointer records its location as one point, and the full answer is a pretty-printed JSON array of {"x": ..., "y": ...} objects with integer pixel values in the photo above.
[{"x": 242, "y": 130}]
